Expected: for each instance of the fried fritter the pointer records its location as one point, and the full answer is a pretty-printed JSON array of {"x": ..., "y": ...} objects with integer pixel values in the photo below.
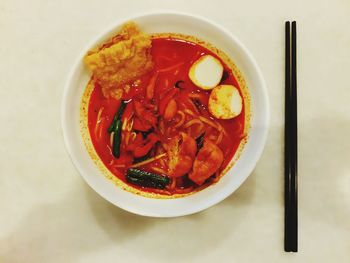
[{"x": 121, "y": 60}]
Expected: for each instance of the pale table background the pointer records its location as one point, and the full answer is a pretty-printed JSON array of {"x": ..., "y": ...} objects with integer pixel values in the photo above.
[{"x": 47, "y": 212}]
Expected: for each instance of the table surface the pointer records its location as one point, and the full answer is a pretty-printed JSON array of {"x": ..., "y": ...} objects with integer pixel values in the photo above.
[{"x": 48, "y": 214}]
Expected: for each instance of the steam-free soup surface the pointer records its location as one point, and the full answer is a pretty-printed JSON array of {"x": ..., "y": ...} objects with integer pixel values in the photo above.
[{"x": 167, "y": 119}]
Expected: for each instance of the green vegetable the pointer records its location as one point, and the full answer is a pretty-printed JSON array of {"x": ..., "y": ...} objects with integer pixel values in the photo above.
[
  {"x": 116, "y": 127},
  {"x": 146, "y": 179},
  {"x": 117, "y": 138},
  {"x": 117, "y": 116}
]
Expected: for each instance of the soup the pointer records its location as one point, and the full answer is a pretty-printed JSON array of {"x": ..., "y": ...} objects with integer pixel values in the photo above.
[{"x": 161, "y": 137}]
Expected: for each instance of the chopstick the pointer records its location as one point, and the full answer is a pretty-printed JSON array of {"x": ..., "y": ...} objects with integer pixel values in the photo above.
[{"x": 291, "y": 143}]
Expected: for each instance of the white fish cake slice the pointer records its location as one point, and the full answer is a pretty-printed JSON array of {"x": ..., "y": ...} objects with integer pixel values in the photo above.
[
  {"x": 206, "y": 72},
  {"x": 225, "y": 102}
]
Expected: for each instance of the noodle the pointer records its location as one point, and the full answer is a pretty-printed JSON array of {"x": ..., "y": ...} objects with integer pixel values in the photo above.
[
  {"x": 99, "y": 115},
  {"x": 111, "y": 138},
  {"x": 130, "y": 125},
  {"x": 189, "y": 112},
  {"x": 192, "y": 122},
  {"x": 193, "y": 106},
  {"x": 182, "y": 120},
  {"x": 149, "y": 160},
  {"x": 162, "y": 162},
  {"x": 194, "y": 95},
  {"x": 133, "y": 136},
  {"x": 161, "y": 127},
  {"x": 219, "y": 139},
  {"x": 199, "y": 129},
  {"x": 100, "y": 129},
  {"x": 209, "y": 122},
  {"x": 124, "y": 125},
  {"x": 212, "y": 137},
  {"x": 171, "y": 67},
  {"x": 127, "y": 138},
  {"x": 159, "y": 170},
  {"x": 223, "y": 130},
  {"x": 165, "y": 58},
  {"x": 172, "y": 186},
  {"x": 98, "y": 121},
  {"x": 166, "y": 83},
  {"x": 127, "y": 124}
]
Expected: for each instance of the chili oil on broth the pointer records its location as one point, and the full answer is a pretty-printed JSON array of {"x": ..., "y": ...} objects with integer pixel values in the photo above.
[{"x": 227, "y": 164}]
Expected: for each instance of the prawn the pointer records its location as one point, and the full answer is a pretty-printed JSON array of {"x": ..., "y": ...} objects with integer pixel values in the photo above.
[
  {"x": 182, "y": 152},
  {"x": 207, "y": 162}
]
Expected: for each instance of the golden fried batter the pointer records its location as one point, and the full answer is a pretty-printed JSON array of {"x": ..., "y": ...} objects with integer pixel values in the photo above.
[{"x": 121, "y": 60}]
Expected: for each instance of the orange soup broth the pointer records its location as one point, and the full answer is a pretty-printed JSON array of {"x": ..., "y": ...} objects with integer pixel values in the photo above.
[{"x": 172, "y": 58}]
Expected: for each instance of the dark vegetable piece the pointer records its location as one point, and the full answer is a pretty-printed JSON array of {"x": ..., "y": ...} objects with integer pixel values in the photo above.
[
  {"x": 225, "y": 75},
  {"x": 200, "y": 141},
  {"x": 117, "y": 116},
  {"x": 179, "y": 83},
  {"x": 144, "y": 183},
  {"x": 146, "y": 179},
  {"x": 185, "y": 182},
  {"x": 210, "y": 179},
  {"x": 143, "y": 158},
  {"x": 146, "y": 133},
  {"x": 198, "y": 104},
  {"x": 117, "y": 138}
]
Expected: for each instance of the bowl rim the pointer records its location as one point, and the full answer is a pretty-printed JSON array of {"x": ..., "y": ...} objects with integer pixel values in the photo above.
[{"x": 107, "y": 31}]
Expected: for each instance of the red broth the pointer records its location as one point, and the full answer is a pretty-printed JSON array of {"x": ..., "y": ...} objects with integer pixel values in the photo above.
[{"x": 173, "y": 58}]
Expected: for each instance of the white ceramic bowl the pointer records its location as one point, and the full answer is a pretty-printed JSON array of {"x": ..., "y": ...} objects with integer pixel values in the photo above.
[{"x": 219, "y": 37}]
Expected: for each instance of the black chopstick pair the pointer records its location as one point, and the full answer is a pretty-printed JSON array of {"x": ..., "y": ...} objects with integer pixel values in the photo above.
[{"x": 291, "y": 142}]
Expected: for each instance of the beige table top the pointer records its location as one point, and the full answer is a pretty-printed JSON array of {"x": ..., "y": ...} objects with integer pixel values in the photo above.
[{"x": 47, "y": 212}]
